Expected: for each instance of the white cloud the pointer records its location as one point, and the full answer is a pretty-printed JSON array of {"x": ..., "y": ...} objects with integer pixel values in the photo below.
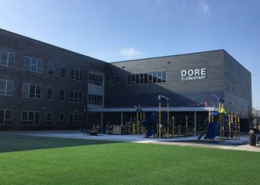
[
  {"x": 129, "y": 52},
  {"x": 204, "y": 7}
]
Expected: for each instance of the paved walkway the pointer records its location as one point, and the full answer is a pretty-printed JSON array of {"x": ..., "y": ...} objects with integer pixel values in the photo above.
[{"x": 241, "y": 144}]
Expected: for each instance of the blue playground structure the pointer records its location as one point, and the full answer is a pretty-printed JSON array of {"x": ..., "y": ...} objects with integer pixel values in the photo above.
[{"x": 150, "y": 125}]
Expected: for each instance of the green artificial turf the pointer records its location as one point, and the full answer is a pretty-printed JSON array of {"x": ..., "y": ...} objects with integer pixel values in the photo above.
[{"x": 111, "y": 163}]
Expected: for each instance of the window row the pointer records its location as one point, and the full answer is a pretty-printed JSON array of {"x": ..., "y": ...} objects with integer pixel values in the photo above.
[
  {"x": 7, "y": 58},
  {"x": 6, "y": 87},
  {"x": 147, "y": 78},
  {"x": 5, "y": 117},
  {"x": 36, "y": 65},
  {"x": 95, "y": 79},
  {"x": 95, "y": 99},
  {"x": 35, "y": 91},
  {"x": 33, "y": 118}
]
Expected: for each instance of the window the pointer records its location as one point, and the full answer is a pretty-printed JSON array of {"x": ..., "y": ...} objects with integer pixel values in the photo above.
[
  {"x": 145, "y": 78},
  {"x": 133, "y": 79},
  {"x": 62, "y": 95},
  {"x": 5, "y": 117},
  {"x": 95, "y": 79},
  {"x": 50, "y": 68},
  {"x": 159, "y": 77},
  {"x": 75, "y": 119},
  {"x": 137, "y": 79},
  {"x": 129, "y": 80},
  {"x": 95, "y": 99},
  {"x": 48, "y": 117},
  {"x": 114, "y": 80},
  {"x": 33, "y": 64},
  {"x": 61, "y": 118},
  {"x": 76, "y": 74},
  {"x": 7, "y": 58},
  {"x": 30, "y": 118},
  {"x": 32, "y": 91},
  {"x": 63, "y": 71},
  {"x": 6, "y": 87},
  {"x": 50, "y": 93},
  {"x": 76, "y": 96},
  {"x": 164, "y": 79}
]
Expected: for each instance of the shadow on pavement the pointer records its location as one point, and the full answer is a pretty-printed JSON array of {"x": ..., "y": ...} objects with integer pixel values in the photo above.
[{"x": 14, "y": 142}]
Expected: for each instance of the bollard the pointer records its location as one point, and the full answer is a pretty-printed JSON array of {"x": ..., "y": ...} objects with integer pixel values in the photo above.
[{"x": 173, "y": 127}]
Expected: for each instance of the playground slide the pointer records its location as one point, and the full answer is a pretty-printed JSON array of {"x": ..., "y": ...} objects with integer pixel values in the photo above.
[
  {"x": 148, "y": 125},
  {"x": 212, "y": 130}
]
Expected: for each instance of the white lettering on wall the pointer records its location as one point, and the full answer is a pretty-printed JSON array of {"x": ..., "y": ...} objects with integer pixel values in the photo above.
[{"x": 193, "y": 74}]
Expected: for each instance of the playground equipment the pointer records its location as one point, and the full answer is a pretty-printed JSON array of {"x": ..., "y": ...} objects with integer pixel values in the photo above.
[
  {"x": 140, "y": 116},
  {"x": 159, "y": 134},
  {"x": 222, "y": 124}
]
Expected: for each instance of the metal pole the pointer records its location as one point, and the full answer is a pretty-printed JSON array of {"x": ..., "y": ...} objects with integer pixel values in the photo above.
[
  {"x": 238, "y": 124},
  {"x": 220, "y": 125},
  {"x": 195, "y": 123},
  {"x": 160, "y": 121},
  {"x": 168, "y": 119},
  {"x": 173, "y": 127},
  {"x": 229, "y": 126},
  {"x": 122, "y": 118},
  {"x": 186, "y": 126}
]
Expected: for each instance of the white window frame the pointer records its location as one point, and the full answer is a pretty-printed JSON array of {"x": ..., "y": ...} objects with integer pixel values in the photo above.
[
  {"x": 79, "y": 70},
  {"x": 63, "y": 118},
  {"x": 50, "y": 63},
  {"x": 4, "y": 118},
  {"x": 64, "y": 95},
  {"x": 29, "y": 91},
  {"x": 74, "y": 93},
  {"x": 74, "y": 122},
  {"x": 6, "y": 82},
  {"x": 61, "y": 71},
  {"x": 46, "y": 116},
  {"x": 8, "y": 57},
  {"x": 27, "y": 119},
  {"x": 51, "y": 93},
  {"x": 37, "y": 63}
]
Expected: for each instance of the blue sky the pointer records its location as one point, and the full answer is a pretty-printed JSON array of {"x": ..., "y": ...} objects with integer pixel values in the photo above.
[{"x": 113, "y": 30}]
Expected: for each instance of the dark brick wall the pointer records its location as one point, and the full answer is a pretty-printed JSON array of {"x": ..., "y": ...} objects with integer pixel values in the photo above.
[
  {"x": 219, "y": 81},
  {"x": 181, "y": 93},
  {"x": 23, "y": 46},
  {"x": 238, "y": 89}
]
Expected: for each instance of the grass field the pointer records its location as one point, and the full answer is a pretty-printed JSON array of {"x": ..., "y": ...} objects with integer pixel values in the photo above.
[{"x": 36, "y": 160}]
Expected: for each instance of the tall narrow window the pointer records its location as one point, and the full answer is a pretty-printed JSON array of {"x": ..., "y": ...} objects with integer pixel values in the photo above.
[
  {"x": 50, "y": 68},
  {"x": 61, "y": 118},
  {"x": 63, "y": 71},
  {"x": 62, "y": 95},
  {"x": 164, "y": 79},
  {"x": 48, "y": 117},
  {"x": 50, "y": 93}
]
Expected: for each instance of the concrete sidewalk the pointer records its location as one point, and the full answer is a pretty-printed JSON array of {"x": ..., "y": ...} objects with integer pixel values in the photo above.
[{"x": 241, "y": 144}]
